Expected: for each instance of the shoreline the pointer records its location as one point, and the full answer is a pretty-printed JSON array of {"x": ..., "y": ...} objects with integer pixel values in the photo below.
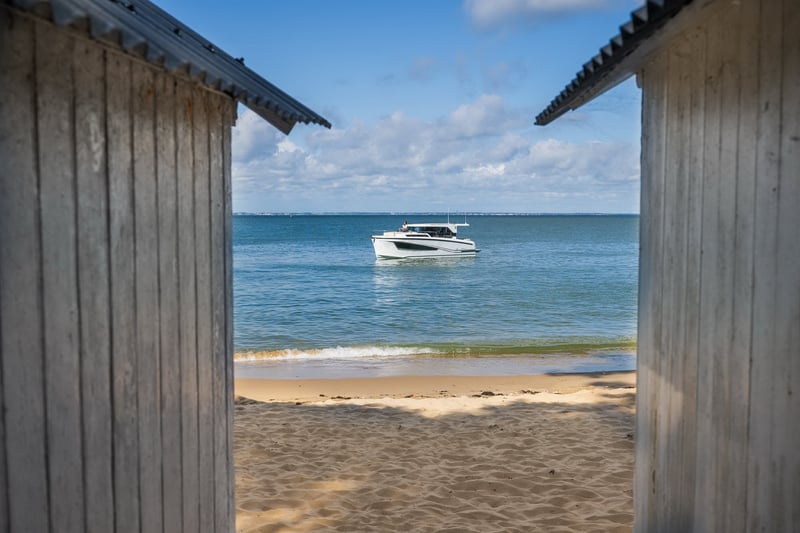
[
  {"x": 347, "y": 367},
  {"x": 315, "y": 390}
]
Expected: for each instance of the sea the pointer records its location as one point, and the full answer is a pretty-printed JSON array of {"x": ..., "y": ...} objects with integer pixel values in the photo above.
[{"x": 545, "y": 294}]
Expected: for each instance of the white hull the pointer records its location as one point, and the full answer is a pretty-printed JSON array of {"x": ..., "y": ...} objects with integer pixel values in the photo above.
[{"x": 401, "y": 246}]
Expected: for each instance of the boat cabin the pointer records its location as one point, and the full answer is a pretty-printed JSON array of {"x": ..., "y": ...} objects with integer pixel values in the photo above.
[{"x": 435, "y": 230}]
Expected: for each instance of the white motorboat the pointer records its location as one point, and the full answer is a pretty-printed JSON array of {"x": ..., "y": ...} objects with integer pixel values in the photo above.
[{"x": 423, "y": 240}]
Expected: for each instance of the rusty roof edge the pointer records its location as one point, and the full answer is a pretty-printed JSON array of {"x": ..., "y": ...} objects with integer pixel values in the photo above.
[
  {"x": 609, "y": 68},
  {"x": 142, "y": 28}
]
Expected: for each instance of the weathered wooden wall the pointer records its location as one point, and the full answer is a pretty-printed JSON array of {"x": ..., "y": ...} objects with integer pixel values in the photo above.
[
  {"x": 115, "y": 291},
  {"x": 718, "y": 414}
]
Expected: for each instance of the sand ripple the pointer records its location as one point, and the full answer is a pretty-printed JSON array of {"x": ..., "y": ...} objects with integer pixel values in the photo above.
[{"x": 504, "y": 463}]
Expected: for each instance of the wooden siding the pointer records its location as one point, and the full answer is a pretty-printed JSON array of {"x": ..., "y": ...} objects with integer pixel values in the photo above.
[
  {"x": 115, "y": 291},
  {"x": 718, "y": 412}
]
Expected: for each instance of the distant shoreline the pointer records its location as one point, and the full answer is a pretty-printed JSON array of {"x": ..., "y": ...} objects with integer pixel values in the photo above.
[{"x": 426, "y": 213}]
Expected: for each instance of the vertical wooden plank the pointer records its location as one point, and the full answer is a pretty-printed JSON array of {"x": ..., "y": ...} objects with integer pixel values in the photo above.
[
  {"x": 147, "y": 313},
  {"x": 658, "y": 386},
  {"x": 217, "y": 177},
  {"x": 204, "y": 308},
  {"x": 123, "y": 293},
  {"x": 643, "y": 441},
  {"x": 228, "y": 199},
  {"x": 668, "y": 395},
  {"x": 729, "y": 437},
  {"x": 56, "y": 132},
  {"x": 786, "y": 392},
  {"x": 746, "y": 182},
  {"x": 680, "y": 438},
  {"x": 746, "y": 179},
  {"x": 694, "y": 203},
  {"x": 20, "y": 282},
  {"x": 706, "y": 498},
  {"x": 168, "y": 302},
  {"x": 93, "y": 297},
  {"x": 188, "y": 306},
  {"x": 763, "y": 469},
  {"x": 646, "y": 477}
]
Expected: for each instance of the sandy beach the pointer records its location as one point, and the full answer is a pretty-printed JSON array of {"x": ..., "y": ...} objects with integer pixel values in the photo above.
[{"x": 435, "y": 454}]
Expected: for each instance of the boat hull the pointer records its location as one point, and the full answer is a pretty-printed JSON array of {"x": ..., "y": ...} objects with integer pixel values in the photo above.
[{"x": 419, "y": 247}]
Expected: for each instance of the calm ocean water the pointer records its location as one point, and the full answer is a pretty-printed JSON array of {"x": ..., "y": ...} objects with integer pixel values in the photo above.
[{"x": 545, "y": 294}]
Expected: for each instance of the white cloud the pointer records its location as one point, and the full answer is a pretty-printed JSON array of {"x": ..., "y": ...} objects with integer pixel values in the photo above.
[
  {"x": 485, "y": 116},
  {"x": 482, "y": 156},
  {"x": 287, "y": 146},
  {"x": 498, "y": 13},
  {"x": 253, "y": 136},
  {"x": 595, "y": 163},
  {"x": 488, "y": 170}
]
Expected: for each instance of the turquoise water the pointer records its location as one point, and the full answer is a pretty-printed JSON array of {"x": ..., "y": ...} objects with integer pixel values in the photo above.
[{"x": 554, "y": 293}]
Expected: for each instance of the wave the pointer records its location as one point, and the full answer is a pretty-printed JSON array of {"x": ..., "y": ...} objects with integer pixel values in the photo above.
[
  {"x": 339, "y": 352},
  {"x": 595, "y": 347}
]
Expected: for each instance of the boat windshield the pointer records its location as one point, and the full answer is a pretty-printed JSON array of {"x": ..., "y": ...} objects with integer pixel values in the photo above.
[{"x": 434, "y": 231}]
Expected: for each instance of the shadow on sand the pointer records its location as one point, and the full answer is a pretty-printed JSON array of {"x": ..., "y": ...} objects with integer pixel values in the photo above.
[{"x": 517, "y": 466}]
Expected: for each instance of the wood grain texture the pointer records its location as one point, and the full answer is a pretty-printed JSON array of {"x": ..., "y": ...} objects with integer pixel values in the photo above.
[
  {"x": 680, "y": 416},
  {"x": 21, "y": 327},
  {"x": 56, "y": 131},
  {"x": 188, "y": 306},
  {"x": 786, "y": 444},
  {"x": 229, "y": 120},
  {"x": 218, "y": 315},
  {"x": 93, "y": 282},
  {"x": 764, "y": 470},
  {"x": 650, "y": 316},
  {"x": 717, "y": 437},
  {"x": 122, "y": 275},
  {"x": 168, "y": 305},
  {"x": 202, "y": 184},
  {"x": 115, "y": 290},
  {"x": 711, "y": 286},
  {"x": 147, "y": 312},
  {"x": 732, "y": 372},
  {"x": 695, "y": 127}
]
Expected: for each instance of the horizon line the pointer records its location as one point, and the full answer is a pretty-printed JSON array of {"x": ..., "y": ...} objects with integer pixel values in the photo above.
[{"x": 404, "y": 213}]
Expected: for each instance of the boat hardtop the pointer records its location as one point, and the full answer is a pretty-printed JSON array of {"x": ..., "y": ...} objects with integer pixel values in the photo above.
[
  {"x": 434, "y": 229},
  {"x": 423, "y": 239}
]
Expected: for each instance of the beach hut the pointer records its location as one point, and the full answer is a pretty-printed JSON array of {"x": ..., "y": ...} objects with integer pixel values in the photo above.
[
  {"x": 115, "y": 266},
  {"x": 718, "y": 407}
]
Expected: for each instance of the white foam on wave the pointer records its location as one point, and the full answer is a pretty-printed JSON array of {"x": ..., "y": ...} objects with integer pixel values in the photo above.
[{"x": 339, "y": 352}]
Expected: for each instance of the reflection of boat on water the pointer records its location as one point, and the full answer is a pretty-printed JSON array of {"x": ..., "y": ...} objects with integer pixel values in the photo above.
[{"x": 423, "y": 240}]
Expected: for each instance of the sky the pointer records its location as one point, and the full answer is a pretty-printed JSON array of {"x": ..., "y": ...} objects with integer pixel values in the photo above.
[{"x": 432, "y": 104}]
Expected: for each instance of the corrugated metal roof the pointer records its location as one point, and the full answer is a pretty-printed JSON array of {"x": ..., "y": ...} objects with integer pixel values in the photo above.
[
  {"x": 595, "y": 76},
  {"x": 142, "y": 28}
]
